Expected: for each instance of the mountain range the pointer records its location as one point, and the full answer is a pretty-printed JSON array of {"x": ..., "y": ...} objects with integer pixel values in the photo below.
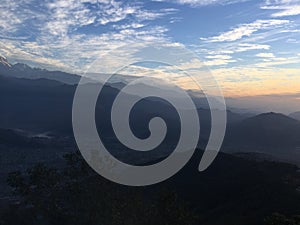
[
  {"x": 36, "y": 128},
  {"x": 21, "y": 70},
  {"x": 40, "y": 101}
]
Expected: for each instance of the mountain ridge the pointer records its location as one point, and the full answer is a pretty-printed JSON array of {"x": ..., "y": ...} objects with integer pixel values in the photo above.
[
  {"x": 270, "y": 133},
  {"x": 295, "y": 115},
  {"x": 22, "y": 70}
]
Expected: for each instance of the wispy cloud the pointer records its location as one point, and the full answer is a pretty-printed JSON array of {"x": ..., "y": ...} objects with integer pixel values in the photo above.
[
  {"x": 133, "y": 25},
  {"x": 15, "y": 16},
  {"x": 265, "y": 55},
  {"x": 245, "y": 30},
  {"x": 283, "y": 7},
  {"x": 66, "y": 15},
  {"x": 288, "y": 11},
  {"x": 218, "y": 62},
  {"x": 196, "y": 3},
  {"x": 58, "y": 39},
  {"x": 243, "y": 47},
  {"x": 278, "y": 61},
  {"x": 218, "y": 57},
  {"x": 69, "y": 35}
]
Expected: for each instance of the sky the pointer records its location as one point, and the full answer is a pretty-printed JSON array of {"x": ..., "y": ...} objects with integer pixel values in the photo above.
[{"x": 251, "y": 47}]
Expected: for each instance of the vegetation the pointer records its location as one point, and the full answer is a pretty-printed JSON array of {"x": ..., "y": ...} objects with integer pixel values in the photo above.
[
  {"x": 279, "y": 219},
  {"x": 76, "y": 195}
]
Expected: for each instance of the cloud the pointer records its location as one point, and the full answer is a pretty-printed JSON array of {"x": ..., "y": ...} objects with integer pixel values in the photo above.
[
  {"x": 218, "y": 57},
  {"x": 16, "y": 16},
  {"x": 245, "y": 30},
  {"x": 265, "y": 55},
  {"x": 284, "y": 7},
  {"x": 217, "y": 52},
  {"x": 69, "y": 35},
  {"x": 243, "y": 47},
  {"x": 57, "y": 30},
  {"x": 293, "y": 41},
  {"x": 288, "y": 11},
  {"x": 195, "y": 3},
  {"x": 278, "y": 61},
  {"x": 66, "y": 15},
  {"x": 133, "y": 25},
  {"x": 144, "y": 15},
  {"x": 218, "y": 62}
]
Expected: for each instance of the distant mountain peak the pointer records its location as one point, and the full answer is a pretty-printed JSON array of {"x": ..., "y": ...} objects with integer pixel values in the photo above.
[
  {"x": 272, "y": 119},
  {"x": 22, "y": 70},
  {"x": 4, "y": 62},
  {"x": 269, "y": 114},
  {"x": 21, "y": 66},
  {"x": 272, "y": 115}
]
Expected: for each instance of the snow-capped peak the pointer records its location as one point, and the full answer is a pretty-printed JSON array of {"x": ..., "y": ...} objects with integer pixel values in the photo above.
[{"x": 4, "y": 61}]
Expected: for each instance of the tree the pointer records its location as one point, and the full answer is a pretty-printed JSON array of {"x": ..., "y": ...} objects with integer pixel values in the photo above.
[
  {"x": 77, "y": 195},
  {"x": 279, "y": 219}
]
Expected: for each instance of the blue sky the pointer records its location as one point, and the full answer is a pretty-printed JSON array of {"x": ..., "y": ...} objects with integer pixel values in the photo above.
[{"x": 252, "y": 47}]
